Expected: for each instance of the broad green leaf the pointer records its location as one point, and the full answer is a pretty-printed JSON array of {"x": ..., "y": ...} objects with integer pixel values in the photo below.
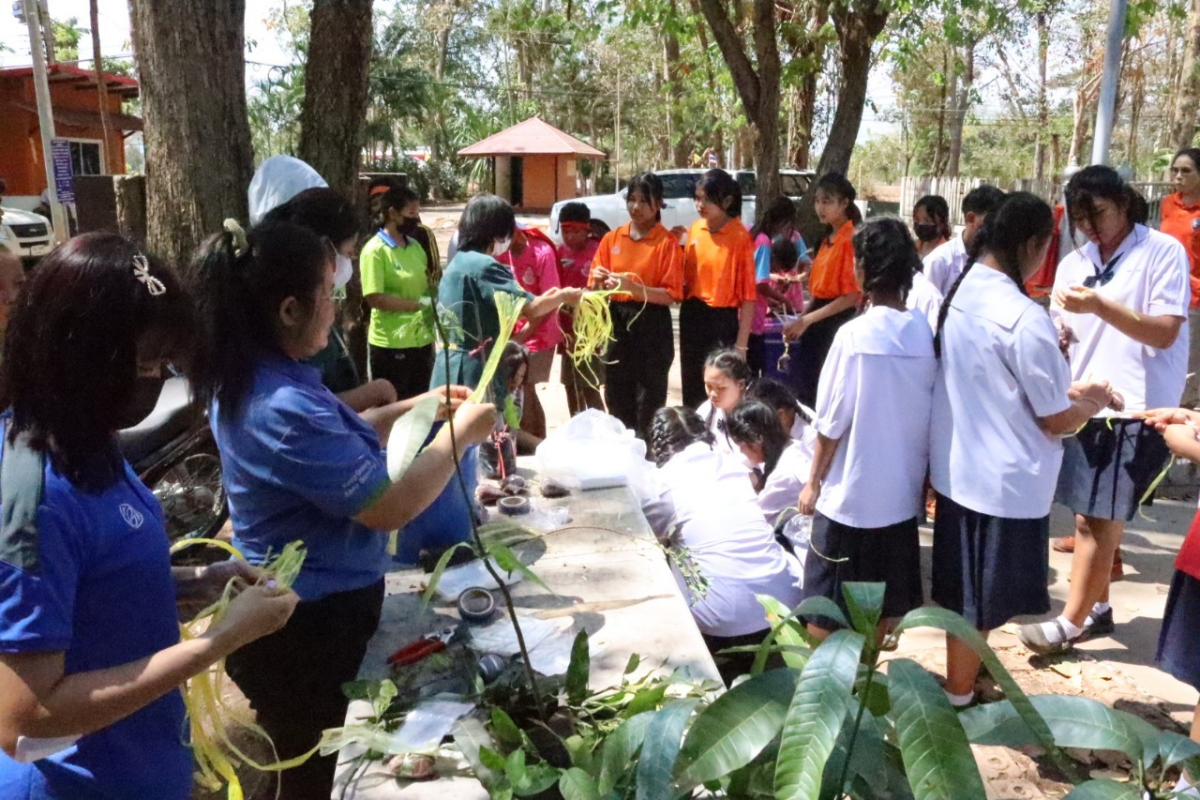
[
  {"x": 408, "y": 433},
  {"x": 809, "y": 606},
  {"x": 933, "y": 745},
  {"x": 864, "y": 601},
  {"x": 656, "y": 764},
  {"x": 1072, "y": 721},
  {"x": 507, "y": 732},
  {"x": 491, "y": 759},
  {"x": 507, "y": 560},
  {"x": 632, "y": 664},
  {"x": 735, "y": 728},
  {"x": 867, "y": 765},
  {"x": 508, "y": 309},
  {"x": 1172, "y": 748},
  {"x": 619, "y": 749},
  {"x": 814, "y": 719},
  {"x": 581, "y": 750},
  {"x": 792, "y": 635},
  {"x": 436, "y": 575},
  {"x": 578, "y": 670},
  {"x": 514, "y": 767},
  {"x": 928, "y": 617},
  {"x": 538, "y": 778},
  {"x": 1104, "y": 789},
  {"x": 646, "y": 699},
  {"x": 575, "y": 784}
]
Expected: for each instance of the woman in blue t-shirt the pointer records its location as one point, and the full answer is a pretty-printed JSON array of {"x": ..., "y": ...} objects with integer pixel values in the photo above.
[
  {"x": 299, "y": 464},
  {"x": 90, "y": 656}
]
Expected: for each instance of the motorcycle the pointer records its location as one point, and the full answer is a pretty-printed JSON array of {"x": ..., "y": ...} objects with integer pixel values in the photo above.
[{"x": 173, "y": 452}]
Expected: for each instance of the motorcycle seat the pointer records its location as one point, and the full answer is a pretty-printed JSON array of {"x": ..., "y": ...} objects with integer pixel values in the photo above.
[{"x": 174, "y": 414}]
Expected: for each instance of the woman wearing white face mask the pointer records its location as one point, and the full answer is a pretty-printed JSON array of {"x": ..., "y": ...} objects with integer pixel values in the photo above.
[{"x": 468, "y": 290}]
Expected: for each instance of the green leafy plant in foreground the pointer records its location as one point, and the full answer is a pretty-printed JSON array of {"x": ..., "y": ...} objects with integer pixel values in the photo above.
[{"x": 834, "y": 723}]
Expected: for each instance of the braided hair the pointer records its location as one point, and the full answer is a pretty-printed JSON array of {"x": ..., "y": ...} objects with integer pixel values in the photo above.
[
  {"x": 673, "y": 429},
  {"x": 756, "y": 423},
  {"x": 887, "y": 256},
  {"x": 1021, "y": 218}
]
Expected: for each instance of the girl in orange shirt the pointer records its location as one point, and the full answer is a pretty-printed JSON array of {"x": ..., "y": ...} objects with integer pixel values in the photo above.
[
  {"x": 643, "y": 260},
  {"x": 835, "y": 292},
  {"x": 1181, "y": 212},
  {"x": 718, "y": 280}
]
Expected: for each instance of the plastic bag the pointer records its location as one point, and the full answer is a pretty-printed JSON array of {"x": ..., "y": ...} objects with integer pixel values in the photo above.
[
  {"x": 595, "y": 451},
  {"x": 426, "y": 726},
  {"x": 456, "y": 580}
]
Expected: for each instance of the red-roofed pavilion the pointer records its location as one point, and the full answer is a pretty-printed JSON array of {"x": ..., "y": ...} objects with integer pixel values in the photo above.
[{"x": 534, "y": 163}]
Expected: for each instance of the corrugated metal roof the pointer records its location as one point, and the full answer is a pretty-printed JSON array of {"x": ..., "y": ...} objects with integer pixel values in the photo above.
[{"x": 534, "y": 136}]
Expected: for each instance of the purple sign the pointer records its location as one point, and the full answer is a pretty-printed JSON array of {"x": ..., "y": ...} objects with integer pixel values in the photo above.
[{"x": 64, "y": 180}]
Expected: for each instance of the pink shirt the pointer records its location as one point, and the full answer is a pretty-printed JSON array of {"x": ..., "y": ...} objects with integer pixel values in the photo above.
[
  {"x": 536, "y": 269},
  {"x": 577, "y": 264}
]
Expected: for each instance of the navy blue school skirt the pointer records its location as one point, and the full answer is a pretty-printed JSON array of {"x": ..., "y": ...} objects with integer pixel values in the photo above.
[
  {"x": 840, "y": 554},
  {"x": 989, "y": 569},
  {"x": 1179, "y": 640},
  {"x": 1106, "y": 472}
]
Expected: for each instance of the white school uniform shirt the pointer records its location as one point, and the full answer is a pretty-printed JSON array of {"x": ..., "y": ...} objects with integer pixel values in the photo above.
[
  {"x": 874, "y": 396},
  {"x": 1150, "y": 276},
  {"x": 1000, "y": 371},
  {"x": 720, "y": 429},
  {"x": 705, "y": 496},
  {"x": 946, "y": 263},
  {"x": 781, "y": 490},
  {"x": 925, "y": 299}
]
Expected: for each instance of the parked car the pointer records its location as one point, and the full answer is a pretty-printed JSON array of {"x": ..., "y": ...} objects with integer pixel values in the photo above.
[
  {"x": 679, "y": 189},
  {"x": 25, "y": 234}
]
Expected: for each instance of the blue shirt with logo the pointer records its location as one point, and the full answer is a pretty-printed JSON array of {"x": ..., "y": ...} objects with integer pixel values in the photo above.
[
  {"x": 299, "y": 464},
  {"x": 101, "y": 592}
]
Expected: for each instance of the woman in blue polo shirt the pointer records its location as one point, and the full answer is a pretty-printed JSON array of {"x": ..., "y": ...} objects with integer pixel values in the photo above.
[
  {"x": 90, "y": 656},
  {"x": 300, "y": 464}
]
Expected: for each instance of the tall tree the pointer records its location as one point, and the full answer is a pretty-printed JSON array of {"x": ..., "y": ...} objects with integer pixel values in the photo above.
[
  {"x": 191, "y": 65},
  {"x": 1183, "y": 114},
  {"x": 756, "y": 79},
  {"x": 335, "y": 93}
]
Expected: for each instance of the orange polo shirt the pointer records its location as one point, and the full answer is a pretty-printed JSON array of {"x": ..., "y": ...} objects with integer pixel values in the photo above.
[
  {"x": 1183, "y": 223},
  {"x": 833, "y": 268},
  {"x": 655, "y": 260},
  {"x": 718, "y": 268}
]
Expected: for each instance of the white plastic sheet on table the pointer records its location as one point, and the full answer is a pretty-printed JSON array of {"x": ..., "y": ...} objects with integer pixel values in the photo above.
[{"x": 594, "y": 450}]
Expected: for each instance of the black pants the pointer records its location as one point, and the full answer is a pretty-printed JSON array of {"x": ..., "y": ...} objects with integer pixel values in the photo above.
[
  {"x": 293, "y": 680},
  {"x": 808, "y": 355},
  {"x": 639, "y": 360},
  {"x": 408, "y": 369},
  {"x": 731, "y": 665},
  {"x": 702, "y": 329}
]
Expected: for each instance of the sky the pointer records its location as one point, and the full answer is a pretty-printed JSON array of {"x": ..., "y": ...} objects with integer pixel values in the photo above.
[{"x": 114, "y": 30}]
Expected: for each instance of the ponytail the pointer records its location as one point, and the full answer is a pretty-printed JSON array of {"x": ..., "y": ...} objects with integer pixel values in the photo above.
[
  {"x": 755, "y": 422},
  {"x": 239, "y": 288},
  {"x": 838, "y": 185}
]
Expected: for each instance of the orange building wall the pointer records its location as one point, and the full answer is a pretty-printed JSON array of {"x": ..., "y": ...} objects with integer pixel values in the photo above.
[
  {"x": 540, "y": 188},
  {"x": 20, "y": 138}
]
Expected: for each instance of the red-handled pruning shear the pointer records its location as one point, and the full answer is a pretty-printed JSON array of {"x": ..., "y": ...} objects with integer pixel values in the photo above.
[{"x": 427, "y": 645}]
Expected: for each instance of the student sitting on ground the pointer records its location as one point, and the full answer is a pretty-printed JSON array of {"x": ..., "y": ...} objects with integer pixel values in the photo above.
[
  {"x": 706, "y": 508},
  {"x": 726, "y": 375}
]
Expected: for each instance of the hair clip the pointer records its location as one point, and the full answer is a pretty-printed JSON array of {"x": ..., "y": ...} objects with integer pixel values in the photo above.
[
  {"x": 141, "y": 271},
  {"x": 234, "y": 229}
]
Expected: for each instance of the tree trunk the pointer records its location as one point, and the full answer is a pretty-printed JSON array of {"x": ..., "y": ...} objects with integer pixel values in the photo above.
[
  {"x": 335, "y": 90},
  {"x": 678, "y": 149},
  {"x": 812, "y": 50},
  {"x": 949, "y": 90},
  {"x": 1039, "y": 153},
  {"x": 1183, "y": 116},
  {"x": 758, "y": 88},
  {"x": 101, "y": 84},
  {"x": 190, "y": 59},
  {"x": 962, "y": 102},
  {"x": 1084, "y": 110},
  {"x": 856, "y": 31}
]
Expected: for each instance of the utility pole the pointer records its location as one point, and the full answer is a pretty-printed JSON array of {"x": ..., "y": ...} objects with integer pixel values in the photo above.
[
  {"x": 1113, "y": 48},
  {"x": 617, "y": 166},
  {"x": 45, "y": 117}
]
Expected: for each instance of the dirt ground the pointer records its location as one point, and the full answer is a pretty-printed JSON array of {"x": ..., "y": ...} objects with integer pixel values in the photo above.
[{"x": 1118, "y": 670}]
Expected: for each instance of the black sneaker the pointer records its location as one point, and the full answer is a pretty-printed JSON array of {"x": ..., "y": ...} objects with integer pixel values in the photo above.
[{"x": 1099, "y": 624}]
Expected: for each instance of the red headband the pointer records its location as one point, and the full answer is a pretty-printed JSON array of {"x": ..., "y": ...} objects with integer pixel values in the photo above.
[
  {"x": 380, "y": 190},
  {"x": 576, "y": 226}
]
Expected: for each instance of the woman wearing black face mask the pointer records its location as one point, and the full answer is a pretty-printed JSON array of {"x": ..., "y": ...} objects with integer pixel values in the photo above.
[
  {"x": 395, "y": 283},
  {"x": 931, "y": 223}
]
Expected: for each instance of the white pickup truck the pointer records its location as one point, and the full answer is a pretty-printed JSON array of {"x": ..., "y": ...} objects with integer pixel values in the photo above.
[
  {"x": 25, "y": 234},
  {"x": 679, "y": 189}
]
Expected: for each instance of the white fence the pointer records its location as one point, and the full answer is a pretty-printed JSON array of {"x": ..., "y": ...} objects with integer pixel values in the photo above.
[{"x": 913, "y": 188}]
